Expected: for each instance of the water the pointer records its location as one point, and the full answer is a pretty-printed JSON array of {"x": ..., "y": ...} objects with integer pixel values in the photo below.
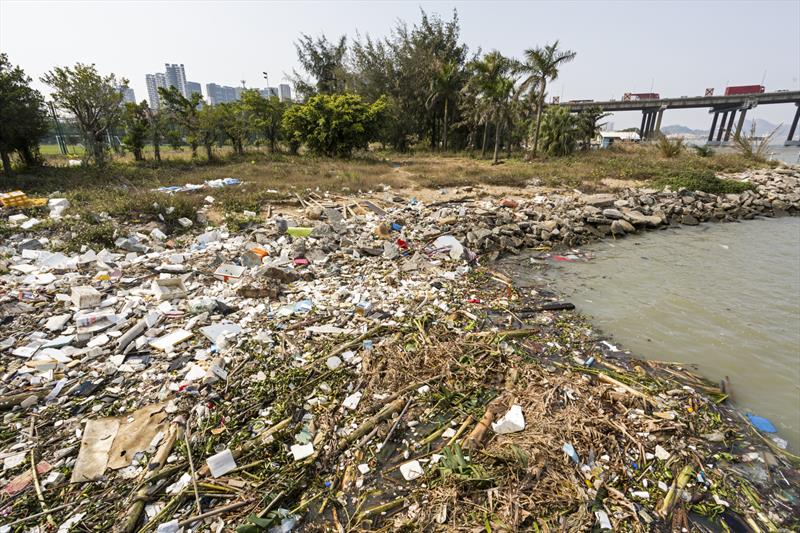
[{"x": 723, "y": 296}]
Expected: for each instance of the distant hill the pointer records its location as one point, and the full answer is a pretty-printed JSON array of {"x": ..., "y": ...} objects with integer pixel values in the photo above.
[
  {"x": 677, "y": 129},
  {"x": 763, "y": 128}
]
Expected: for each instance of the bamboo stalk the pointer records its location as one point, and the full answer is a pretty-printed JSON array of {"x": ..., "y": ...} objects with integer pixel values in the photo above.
[
  {"x": 214, "y": 512},
  {"x": 38, "y": 487},
  {"x": 370, "y": 423},
  {"x": 678, "y": 484},
  {"x": 158, "y": 462}
]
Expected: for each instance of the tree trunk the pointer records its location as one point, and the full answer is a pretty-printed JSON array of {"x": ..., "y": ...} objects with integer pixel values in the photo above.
[
  {"x": 157, "y": 150},
  {"x": 28, "y": 157},
  {"x": 209, "y": 153},
  {"x": 194, "y": 150},
  {"x": 98, "y": 150},
  {"x": 485, "y": 133},
  {"x": 538, "y": 119},
  {"x": 497, "y": 130},
  {"x": 508, "y": 147},
  {"x": 444, "y": 133},
  {"x": 6, "y": 163},
  {"x": 272, "y": 144}
]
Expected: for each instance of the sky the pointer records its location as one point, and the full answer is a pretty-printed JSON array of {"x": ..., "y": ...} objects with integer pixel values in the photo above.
[{"x": 674, "y": 48}]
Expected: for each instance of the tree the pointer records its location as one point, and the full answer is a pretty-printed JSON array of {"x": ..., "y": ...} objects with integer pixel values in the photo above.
[
  {"x": 264, "y": 116},
  {"x": 541, "y": 65},
  {"x": 324, "y": 62},
  {"x": 402, "y": 64},
  {"x": 334, "y": 125},
  {"x": 444, "y": 87},
  {"x": 207, "y": 128},
  {"x": 92, "y": 99},
  {"x": 23, "y": 120},
  {"x": 184, "y": 112},
  {"x": 137, "y": 127},
  {"x": 558, "y": 131},
  {"x": 232, "y": 121},
  {"x": 156, "y": 123},
  {"x": 492, "y": 78},
  {"x": 587, "y": 124}
]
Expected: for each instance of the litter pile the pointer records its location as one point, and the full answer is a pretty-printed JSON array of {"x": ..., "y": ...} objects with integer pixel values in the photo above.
[{"x": 349, "y": 366}]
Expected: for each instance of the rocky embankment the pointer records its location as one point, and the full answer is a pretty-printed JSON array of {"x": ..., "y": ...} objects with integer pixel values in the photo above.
[{"x": 573, "y": 219}]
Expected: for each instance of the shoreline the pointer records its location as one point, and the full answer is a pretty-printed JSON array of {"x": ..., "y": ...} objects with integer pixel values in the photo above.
[{"x": 402, "y": 352}]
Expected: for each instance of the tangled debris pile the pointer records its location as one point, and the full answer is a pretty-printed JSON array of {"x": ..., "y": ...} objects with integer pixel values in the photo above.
[{"x": 351, "y": 367}]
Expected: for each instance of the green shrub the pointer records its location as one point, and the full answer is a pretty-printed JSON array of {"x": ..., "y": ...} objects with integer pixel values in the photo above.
[
  {"x": 704, "y": 181},
  {"x": 558, "y": 133},
  {"x": 334, "y": 124},
  {"x": 669, "y": 148}
]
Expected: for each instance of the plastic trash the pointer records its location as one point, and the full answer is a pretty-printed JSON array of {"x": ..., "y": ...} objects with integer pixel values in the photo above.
[
  {"x": 411, "y": 470},
  {"x": 570, "y": 451},
  {"x": 761, "y": 423},
  {"x": 221, "y": 463},
  {"x": 299, "y": 232},
  {"x": 511, "y": 422}
]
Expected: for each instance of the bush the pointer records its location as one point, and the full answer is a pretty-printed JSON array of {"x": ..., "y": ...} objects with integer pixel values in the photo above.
[
  {"x": 704, "y": 181},
  {"x": 669, "y": 148},
  {"x": 703, "y": 151},
  {"x": 558, "y": 132},
  {"x": 334, "y": 124}
]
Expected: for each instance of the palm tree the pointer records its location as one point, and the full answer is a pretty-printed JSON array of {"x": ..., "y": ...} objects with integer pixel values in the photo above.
[
  {"x": 541, "y": 65},
  {"x": 492, "y": 79},
  {"x": 444, "y": 88}
]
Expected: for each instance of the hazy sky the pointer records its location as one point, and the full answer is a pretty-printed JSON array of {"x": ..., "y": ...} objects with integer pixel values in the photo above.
[{"x": 677, "y": 48}]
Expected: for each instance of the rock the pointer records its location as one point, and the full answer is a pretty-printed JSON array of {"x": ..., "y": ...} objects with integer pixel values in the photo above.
[
  {"x": 613, "y": 214},
  {"x": 598, "y": 200},
  {"x": 313, "y": 212},
  {"x": 689, "y": 220},
  {"x": 509, "y": 202},
  {"x": 284, "y": 276},
  {"x": 617, "y": 228}
]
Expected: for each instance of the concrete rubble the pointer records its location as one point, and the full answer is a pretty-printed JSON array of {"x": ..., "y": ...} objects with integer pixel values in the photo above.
[{"x": 358, "y": 364}]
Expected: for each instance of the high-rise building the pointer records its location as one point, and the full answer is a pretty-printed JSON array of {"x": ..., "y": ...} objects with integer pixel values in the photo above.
[
  {"x": 286, "y": 92},
  {"x": 176, "y": 77},
  {"x": 220, "y": 94},
  {"x": 127, "y": 94},
  {"x": 193, "y": 87},
  {"x": 154, "y": 81}
]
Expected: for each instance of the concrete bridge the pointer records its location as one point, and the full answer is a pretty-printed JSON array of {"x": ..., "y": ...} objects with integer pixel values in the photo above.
[{"x": 724, "y": 109}]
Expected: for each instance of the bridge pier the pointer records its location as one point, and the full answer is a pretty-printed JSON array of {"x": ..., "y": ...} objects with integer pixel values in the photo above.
[
  {"x": 740, "y": 124},
  {"x": 725, "y": 117},
  {"x": 651, "y": 123},
  {"x": 790, "y": 140}
]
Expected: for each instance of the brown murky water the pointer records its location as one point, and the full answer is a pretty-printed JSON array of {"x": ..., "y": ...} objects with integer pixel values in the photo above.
[{"x": 725, "y": 297}]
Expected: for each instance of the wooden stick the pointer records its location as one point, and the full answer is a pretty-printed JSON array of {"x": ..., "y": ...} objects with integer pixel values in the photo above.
[
  {"x": 38, "y": 488},
  {"x": 396, "y": 423},
  {"x": 214, "y": 512},
  {"x": 370, "y": 423},
  {"x": 475, "y": 439},
  {"x": 191, "y": 469},
  {"x": 630, "y": 390},
  {"x": 39, "y": 515},
  {"x": 158, "y": 462}
]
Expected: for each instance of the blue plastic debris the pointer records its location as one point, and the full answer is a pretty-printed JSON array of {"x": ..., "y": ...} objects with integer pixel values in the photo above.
[
  {"x": 761, "y": 423},
  {"x": 570, "y": 450},
  {"x": 396, "y": 226}
]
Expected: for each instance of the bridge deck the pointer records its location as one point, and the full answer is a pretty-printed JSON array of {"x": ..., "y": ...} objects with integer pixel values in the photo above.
[{"x": 784, "y": 97}]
